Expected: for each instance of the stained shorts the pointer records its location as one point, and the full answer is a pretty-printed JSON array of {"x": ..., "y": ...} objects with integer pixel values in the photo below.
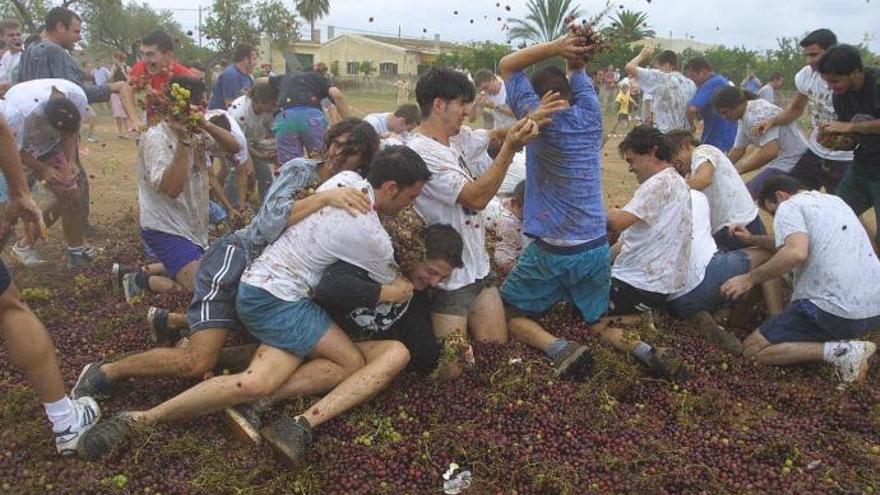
[
  {"x": 545, "y": 275},
  {"x": 216, "y": 286},
  {"x": 803, "y": 321},
  {"x": 707, "y": 296},
  {"x": 292, "y": 326}
]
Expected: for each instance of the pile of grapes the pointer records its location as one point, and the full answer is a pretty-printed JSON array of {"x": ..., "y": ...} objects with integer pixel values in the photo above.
[{"x": 733, "y": 427}]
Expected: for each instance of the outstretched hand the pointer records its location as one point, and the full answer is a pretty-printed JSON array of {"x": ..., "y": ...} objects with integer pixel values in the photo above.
[
  {"x": 551, "y": 103},
  {"x": 521, "y": 133},
  {"x": 570, "y": 47},
  {"x": 24, "y": 207},
  {"x": 737, "y": 287}
]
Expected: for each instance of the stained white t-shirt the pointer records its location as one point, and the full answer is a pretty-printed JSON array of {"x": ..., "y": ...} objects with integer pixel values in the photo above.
[
  {"x": 767, "y": 93},
  {"x": 24, "y": 110},
  {"x": 501, "y": 120},
  {"x": 810, "y": 84},
  {"x": 292, "y": 266},
  {"x": 236, "y": 132},
  {"x": 703, "y": 246},
  {"x": 729, "y": 200},
  {"x": 841, "y": 272},
  {"x": 8, "y": 64},
  {"x": 256, "y": 127},
  {"x": 438, "y": 203},
  {"x": 671, "y": 92},
  {"x": 792, "y": 144},
  {"x": 655, "y": 251},
  {"x": 187, "y": 214},
  {"x": 379, "y": 121}
]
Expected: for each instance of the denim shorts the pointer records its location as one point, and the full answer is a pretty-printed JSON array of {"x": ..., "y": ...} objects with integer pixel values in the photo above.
[
  {"x": 707, "y": 296},
  {"x": 460, "y": 301},
  {"x": 292, "y": 326},
  {"x": 545, "y": 275},
  {"x": 803, "y": 321},
  {"x": 174, "y": 251}
]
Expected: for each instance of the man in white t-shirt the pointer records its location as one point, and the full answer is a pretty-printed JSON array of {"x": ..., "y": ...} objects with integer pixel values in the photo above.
[
  {"x": 653, "y": 250},
  {"x": 779, "y": 149},
  {"x": 670, "y": 89},
  {"x": 254, "y": 113},
  {"x": 768, "y": 91},
  {"x": 45, "y": 115},
  {"x": 493, "y": 96},
  {"x": 467, "y": 301},
  {"x": 836, "y": 295},
  {"x": 821, "y": 167},
  {"x": 275, "y": 307},
  {"x": 11, "y": 33},
  {"x": 399, "y": 123}
]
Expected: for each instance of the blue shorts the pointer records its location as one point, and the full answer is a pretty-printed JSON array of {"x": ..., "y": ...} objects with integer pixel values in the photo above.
[
  {"x": 707, "y": 296},
  {"x": 727, "y": 242},
  {"x": 216, "y": 285},
  {"x": 803, "y": 321},
  {"x": 545, "y": 275},
  {"x": 5, "y": 277},
  {"x": 295, "y": 327},
  {"x": 173, "y": 251}
]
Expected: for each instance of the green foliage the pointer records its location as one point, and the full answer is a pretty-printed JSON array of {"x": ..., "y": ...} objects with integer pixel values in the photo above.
[
  {"x": 30, "y": 13},
  {"x": 367, "y": 68},
  {"x": 277, "y": 23},
  {"x": 312, "y": 10},
  {"x": 230, "y": 23},
  {"x": 544, "y": 22},
  {"x": 628, "y": 26},
  {"x": 485, "y": 55}
]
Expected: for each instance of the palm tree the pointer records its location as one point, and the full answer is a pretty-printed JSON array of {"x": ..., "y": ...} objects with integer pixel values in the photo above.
[
  {"x": 629, "y": 26},
  {"x": 312, "y": 10},
  {"x": 545, "y": 21}
]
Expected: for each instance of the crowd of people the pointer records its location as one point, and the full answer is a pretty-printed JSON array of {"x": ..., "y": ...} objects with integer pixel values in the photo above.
[{"x": 365, "y": 247}]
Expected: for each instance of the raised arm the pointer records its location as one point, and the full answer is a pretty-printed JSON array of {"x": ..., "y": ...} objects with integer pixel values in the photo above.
[
  {"x": 566, "y": 47},
  {"x": 632, "y": 67}
]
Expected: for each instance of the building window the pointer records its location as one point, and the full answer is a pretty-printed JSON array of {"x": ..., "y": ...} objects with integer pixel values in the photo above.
[
  {"x": 387, "y": 69},
  {"x": 352, "y": 68}
]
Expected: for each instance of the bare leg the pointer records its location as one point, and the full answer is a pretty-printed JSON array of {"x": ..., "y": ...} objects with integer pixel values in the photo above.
[
  {"x": 187, "y": 275},
  {"x": 192, "y": 361},
  {"x": 614, "y": 336},
  {"x": 530, "y": 333},
  {"x": 486, "y": 321},
  {"x": 183, "y": 281},
  {"x": 772, "y": 289},
  {"x": 385, "y": 360},
  {"x": 757, "y": 347},
  {"x": 71, "y": 217},
  {"x": 29, "y": 346},
  {"x": 163, "y": 285},
  {"x": 444, "y": 326},
  {"x": 177, "y": 321}
]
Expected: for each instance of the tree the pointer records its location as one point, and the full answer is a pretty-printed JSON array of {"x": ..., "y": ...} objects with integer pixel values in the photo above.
[
  {"x": 544, "y": 22},
  {"x": 485, "y": 55},
  {"x": 231, "y": 23},
  {"x": 30, "y": 13},
  {"x": 629, "y": 25},
  {"x": 277, "y": 23},
  {"x": 312, "y": 10},
  {"x": 367, "y": 67}
]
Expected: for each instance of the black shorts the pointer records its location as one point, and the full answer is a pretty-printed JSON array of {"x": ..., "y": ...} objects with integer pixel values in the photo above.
[
  {"x": 628, "y": 300},
  {"x": 816, "y": 172},
  {"x": 216, "y": 286}
]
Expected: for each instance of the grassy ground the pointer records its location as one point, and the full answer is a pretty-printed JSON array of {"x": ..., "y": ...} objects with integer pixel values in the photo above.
[{"x": 732, "y": 427}]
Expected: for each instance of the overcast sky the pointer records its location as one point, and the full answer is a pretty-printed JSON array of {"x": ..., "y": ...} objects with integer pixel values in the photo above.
[{"x": 755, "y": 24}]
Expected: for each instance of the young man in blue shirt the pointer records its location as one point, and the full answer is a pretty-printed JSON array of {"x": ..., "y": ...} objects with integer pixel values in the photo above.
[
  {"x": 235, "y": 79},
  {"x": 717, "y": 131}
]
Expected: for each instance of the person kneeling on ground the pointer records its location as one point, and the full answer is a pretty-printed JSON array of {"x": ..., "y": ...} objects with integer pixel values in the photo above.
[
  {"x": 351, "y": 145},
  {"x": 836, "y": 296},
  {"x": 274, "y": 305}
]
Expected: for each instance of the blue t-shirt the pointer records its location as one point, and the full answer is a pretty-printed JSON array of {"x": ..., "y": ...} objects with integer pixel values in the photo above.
[
  {"x": 271, "y": 220},
  {"x": 717, "y": 131},
  {"x": 230, "y": 84},
  {"x": 563, "y": 172}
]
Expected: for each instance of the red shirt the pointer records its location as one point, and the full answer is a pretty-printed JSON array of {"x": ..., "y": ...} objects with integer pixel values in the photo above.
[{"x": 159, "y": 80}]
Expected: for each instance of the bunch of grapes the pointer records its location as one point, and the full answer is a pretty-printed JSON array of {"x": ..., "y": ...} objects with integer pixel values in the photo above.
[
  {"x": 587, "y": 32},
  {"x": 405, "y": 230},
  {"x": 176, "y": 104}
]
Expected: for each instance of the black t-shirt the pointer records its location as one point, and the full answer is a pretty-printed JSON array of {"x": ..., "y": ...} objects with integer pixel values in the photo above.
[
  {"x": 863, "y": 105},
  {"x": 302, "y": 89}
]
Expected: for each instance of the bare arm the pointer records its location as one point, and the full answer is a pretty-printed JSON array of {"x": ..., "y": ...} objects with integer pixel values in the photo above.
[
  {"x": 763, "y": 156},
  {"x": 126, "y": 94},
  {"x": 224, "y": 138},
  {"x": 632, "y": 67},
  {"x": 566, "y": 46},
  {"x": 702, "y": 177},
  {"x": 692, "y": 114},
  {"x": 863, "y": 127},
  {"x": 338, "y": 98},
  {"x": 620, "y": 220},
  {"x": 21, "y": 204},
  {"x": 735, "y": 154},
  {"x": 175, "y": 176},
  {"x": 793, "y": 254}
]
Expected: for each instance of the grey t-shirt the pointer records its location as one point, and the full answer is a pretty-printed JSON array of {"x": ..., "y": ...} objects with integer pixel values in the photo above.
[
  {"x": 792, "y": 144},
  {"x": 766, "y": 92},
  {"x": 841, "y": 272}
]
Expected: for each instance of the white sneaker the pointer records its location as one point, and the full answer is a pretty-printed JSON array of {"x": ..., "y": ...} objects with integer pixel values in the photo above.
[
  {"x": 852, "y": 365},
  {"x": 87, "y": 415},
  {"x": 27, "y": 255}
]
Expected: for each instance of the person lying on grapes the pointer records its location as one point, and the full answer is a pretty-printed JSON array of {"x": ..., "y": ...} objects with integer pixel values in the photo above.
[
  {"x": 670, "y": 89},
  {"x": 468, "y": 301},
  {"x": 653, "y": 251},
  {"x": 856, "y": 101},
  {"x": 44, "y": 115},
  {"x": 824, "y": 166},
  {"x": 26, "y": 342},
  {"x": 368, "y": 311},
  {"x": 781, "y": 150},
  {"x": 211, "y": 315},
  {"x": 707, "y": 169},
  {"x": 274, "y": 305},
  {"x": 562, "y": 207},
  {"x": 173, "y": 185},
  {"x": 836, "y": 297}
]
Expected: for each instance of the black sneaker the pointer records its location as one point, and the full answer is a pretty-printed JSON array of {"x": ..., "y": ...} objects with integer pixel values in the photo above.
[
  {"x": 245, "y": 422},
  {"x": 667, "y": 363},
  {"x": 157, "y": 318},
  {"x": 290, "y": 437},
  {"x": 105, "y": 436},
  {"x": 574, "y": 360},
  {"x": 92, "y": 383},
  {"x": 718, "y": 336}
]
